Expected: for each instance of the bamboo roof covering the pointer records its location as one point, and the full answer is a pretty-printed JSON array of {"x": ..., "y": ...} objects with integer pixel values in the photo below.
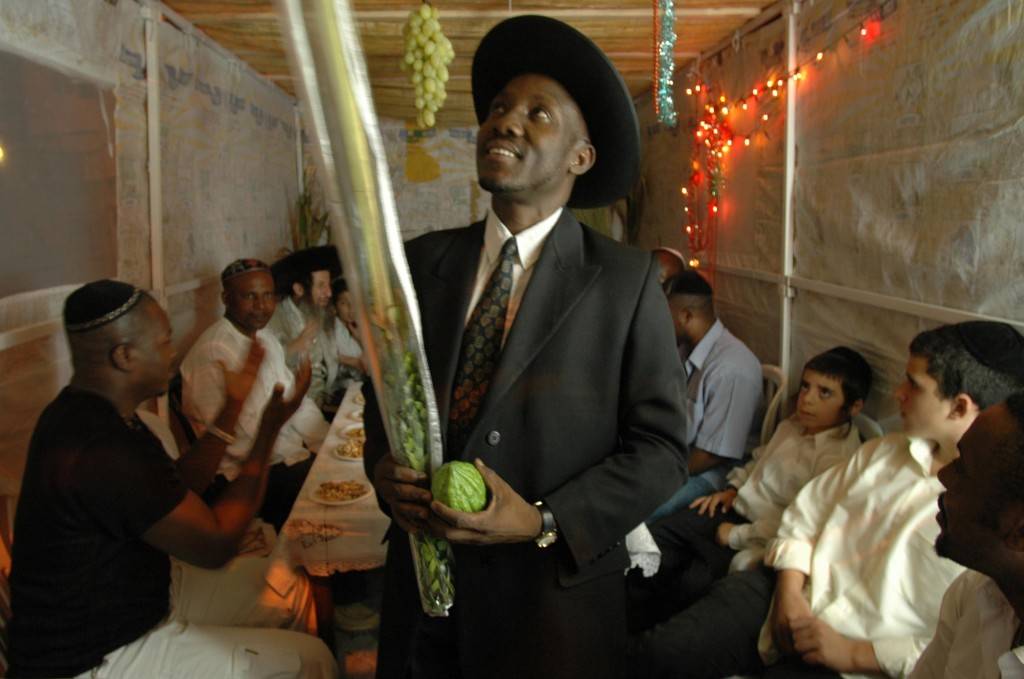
[{"x": 623, "y": 29}]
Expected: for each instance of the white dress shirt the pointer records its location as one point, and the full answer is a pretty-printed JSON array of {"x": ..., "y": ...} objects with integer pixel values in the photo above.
[
  {"x": 974, "y": 637},
  {"x": 864, "y": 534},
  {"x": 529, "y": 243},
  {"x": 203, "y": 395},
  {"x": 775, "y": 474}
]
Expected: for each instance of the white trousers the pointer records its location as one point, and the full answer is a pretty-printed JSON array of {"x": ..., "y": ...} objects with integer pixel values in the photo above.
[{"x": 228, "y": 624}]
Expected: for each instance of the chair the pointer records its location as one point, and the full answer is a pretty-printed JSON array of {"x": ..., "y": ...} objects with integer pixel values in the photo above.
[
  {"x": 868, "y": 427},
  {"x": 772, "y": 394}
]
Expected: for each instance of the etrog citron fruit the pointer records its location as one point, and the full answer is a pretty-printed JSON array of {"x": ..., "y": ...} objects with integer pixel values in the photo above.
[{"x": 460, "y": 486}]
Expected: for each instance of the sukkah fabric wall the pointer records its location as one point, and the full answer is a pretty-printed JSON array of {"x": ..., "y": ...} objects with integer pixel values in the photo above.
[
  {"x": 747, "y": 229},
  {"x": 433, "y": 173},
  {"x": 908, "y": 176},
  {"x": 229, "y": 173},
  {"x": 229, "y": 183}
]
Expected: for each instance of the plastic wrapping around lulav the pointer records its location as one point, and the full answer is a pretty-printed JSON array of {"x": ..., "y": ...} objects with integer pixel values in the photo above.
[{"x": 327, "y": 61}]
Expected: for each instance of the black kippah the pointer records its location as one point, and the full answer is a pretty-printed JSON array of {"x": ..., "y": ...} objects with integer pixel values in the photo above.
[
  {"x": 688, "y": 282},
  {"x": 98, "y": 303},
  {"x": 995, "y": 345}
]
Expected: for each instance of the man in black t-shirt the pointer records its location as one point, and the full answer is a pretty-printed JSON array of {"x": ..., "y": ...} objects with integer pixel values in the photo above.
[{"x": 102, "y": 508}]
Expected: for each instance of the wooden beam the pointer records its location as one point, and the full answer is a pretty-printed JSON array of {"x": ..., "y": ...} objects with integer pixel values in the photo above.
[{"x": 199, "y": 16}]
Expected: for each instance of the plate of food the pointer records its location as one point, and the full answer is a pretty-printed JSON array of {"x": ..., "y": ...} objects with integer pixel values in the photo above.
[
  {"x": 349, "y": 450},
  {"x": 354, "y": 431},
  {"x": 339, "y": 492}
]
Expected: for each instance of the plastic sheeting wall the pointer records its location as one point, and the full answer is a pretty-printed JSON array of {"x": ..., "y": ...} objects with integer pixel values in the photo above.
[
  {"x": 56, "y": 140},
  {"x": 229, "y": 173},
  {"x": 433, "y": 173},
  {"x": 911, "y": 154},
  {"x": 910, "y": 148},
  {"x": 87, "y": 41},
  {"x": 229, "y": 182},
  {"x": 908, "y": 183},
  {"x": 749, "y": 230}
]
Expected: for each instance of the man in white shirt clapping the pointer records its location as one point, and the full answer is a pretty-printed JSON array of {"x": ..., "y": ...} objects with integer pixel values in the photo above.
[{"x": 249, "y": 303}]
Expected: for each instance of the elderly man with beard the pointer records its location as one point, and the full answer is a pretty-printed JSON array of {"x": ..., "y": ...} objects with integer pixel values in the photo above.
[
  {"x": 249, "y": 303},
  {"x": 303, "y": 322}
]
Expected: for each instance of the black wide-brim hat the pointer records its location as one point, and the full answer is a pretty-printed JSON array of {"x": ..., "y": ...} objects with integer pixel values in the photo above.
[
  {"x": 295, "y": 267},
  {"x": 546, "y": 46}
]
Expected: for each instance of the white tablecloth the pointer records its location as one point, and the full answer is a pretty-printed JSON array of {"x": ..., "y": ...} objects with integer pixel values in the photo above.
[{"x": 332, "y": 538}]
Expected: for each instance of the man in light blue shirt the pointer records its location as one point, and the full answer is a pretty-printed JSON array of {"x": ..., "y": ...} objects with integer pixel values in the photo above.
[{"x": 723, "y": 389}]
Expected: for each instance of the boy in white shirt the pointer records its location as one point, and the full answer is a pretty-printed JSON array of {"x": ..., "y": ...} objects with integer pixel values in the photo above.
[
  {"x": 735, "y": 524},
  {"x": 855, "y": 581}
]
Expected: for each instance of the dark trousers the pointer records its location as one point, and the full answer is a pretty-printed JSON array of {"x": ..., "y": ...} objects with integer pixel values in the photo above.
[
  {"x": 717, "y": 636},
  {"x": 283, "y": 485},
  {"x": 435, "y": 653},
  {"x": 691, "y": 561}
]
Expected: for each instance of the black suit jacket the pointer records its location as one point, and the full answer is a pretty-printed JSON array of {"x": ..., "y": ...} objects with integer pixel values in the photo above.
[{"x": 585, "y": 412}]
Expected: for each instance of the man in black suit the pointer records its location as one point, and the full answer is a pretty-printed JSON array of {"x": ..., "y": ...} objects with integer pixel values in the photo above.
[{"x": 575, "y": 419}]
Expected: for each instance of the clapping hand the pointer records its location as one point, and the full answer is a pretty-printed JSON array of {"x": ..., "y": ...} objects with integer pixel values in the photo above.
[
  {"x": 238, "y": 384},
  {"x": 280, "y": 409},
  {"x": 304, "y": 342}
]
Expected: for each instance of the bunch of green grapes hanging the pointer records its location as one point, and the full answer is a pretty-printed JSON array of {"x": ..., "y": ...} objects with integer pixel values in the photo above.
[{"x": 427, "y": 55}]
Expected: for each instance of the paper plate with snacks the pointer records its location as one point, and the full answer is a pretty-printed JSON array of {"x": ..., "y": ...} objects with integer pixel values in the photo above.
[
  {"x": 350, "y": 449},
  {"x": 339, "y": 492}
]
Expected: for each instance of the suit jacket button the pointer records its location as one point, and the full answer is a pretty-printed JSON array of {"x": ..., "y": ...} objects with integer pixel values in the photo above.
[{"x": 493, "y": 437}]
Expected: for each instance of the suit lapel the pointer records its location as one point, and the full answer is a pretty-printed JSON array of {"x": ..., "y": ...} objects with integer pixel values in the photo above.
[
  {"x": 444, "y": 297},
  {"x": 559, "y": 280}
]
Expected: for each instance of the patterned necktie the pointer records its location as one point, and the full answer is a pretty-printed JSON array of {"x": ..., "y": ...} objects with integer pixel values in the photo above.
[{"x": 481, "y": 348}]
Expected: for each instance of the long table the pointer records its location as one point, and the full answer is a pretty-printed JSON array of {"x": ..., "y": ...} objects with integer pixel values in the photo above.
[{"x": 328, "y": 538}]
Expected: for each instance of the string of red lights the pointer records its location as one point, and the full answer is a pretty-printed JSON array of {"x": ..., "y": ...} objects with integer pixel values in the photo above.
[{"x": 715, "y": 137}]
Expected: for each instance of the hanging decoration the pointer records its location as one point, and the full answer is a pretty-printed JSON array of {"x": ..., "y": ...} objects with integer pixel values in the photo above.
[
  {"x": 715, "y": 138},
  {"x": 427, "y": 55},
  {"x": 664, "y": 66}
]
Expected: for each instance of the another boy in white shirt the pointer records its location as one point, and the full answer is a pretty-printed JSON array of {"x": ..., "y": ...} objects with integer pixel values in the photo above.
[
  {"x": 735, "y": 524},
  {"x": 855, "y": 581}
]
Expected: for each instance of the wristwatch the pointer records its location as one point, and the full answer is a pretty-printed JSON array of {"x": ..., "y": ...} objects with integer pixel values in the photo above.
[{"x": 548, "y": 528}]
